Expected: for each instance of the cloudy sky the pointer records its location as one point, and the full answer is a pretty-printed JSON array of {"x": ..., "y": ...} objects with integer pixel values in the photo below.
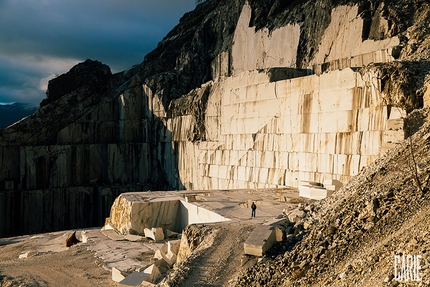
[{"x": 43, "y": 38}]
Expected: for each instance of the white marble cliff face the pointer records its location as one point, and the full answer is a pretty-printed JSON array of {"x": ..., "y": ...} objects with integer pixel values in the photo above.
[
  {"x": 273, "y": 134},
  {"x": 343, "y": 37},
  {"x": 262, "y": 49}
]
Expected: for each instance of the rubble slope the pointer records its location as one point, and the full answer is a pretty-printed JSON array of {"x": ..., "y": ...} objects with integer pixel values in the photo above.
[{"x": 351, "y": 238}]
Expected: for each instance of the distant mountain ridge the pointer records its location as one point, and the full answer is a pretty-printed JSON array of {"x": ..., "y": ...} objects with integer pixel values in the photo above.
[{"x": 13, "y": 112}]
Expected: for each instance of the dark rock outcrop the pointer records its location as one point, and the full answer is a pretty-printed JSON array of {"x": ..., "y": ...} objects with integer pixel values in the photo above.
[{"x": 93, "y": 75}]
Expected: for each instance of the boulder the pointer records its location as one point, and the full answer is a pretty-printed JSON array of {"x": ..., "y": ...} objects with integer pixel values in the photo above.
[
  {"x": 118, "y": 275},
  {"x": 156, "y": 234},
  {"x": 154, "y": 273},
  {"x": 296, "y": 215},
  {"x": 173, "y": 246}
]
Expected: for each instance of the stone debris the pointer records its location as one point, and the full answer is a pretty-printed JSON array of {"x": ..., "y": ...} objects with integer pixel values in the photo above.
[
  {"x": 28, "y": 254},
  {"x": 118, "y": 275},
  {"x": 171, "y": 234},
  {"x": 296, "y": 215},
  {"x": 247, "y": 261},
  {"x": 72, "y": 240},
  {"x": 155, "y": 233}
]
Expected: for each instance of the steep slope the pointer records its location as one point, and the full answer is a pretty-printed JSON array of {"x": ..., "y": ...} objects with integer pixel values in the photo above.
[{"x": 351, "y": 238}]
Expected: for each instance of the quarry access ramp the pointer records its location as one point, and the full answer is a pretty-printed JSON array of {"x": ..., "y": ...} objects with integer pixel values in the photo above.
[{"x": 217, "y": 264}]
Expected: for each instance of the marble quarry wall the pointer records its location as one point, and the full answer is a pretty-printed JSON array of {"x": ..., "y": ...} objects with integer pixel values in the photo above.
[
  {"x": 75, "y": 165},
  {"x": 263, "y": 134},
  {"x": 261, "y": 123},
  {"x": 54, "y": 209},
  {"x": 271, "y": 130},
  {"x": 343, "y": 39},
  {"x": 341, "y": 45}
]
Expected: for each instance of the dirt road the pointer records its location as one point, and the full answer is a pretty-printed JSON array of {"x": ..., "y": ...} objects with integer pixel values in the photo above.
[{"x": 219, "y": 263}]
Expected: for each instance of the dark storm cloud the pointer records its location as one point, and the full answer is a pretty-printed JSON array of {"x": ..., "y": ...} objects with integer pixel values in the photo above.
[{"x": 40, "y": 38}]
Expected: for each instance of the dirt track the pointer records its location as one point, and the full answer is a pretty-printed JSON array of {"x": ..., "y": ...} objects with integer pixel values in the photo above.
[{"x": 218, "y": 264}]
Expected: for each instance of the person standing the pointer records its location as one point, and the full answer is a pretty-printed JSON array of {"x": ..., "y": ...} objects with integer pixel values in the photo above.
[{"x": 253, "y": 208}]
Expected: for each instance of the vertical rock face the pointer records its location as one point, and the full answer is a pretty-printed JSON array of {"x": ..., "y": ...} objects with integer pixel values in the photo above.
[
  {"x": 262, "y": 49},
  {"x": 239, "y": 94}
]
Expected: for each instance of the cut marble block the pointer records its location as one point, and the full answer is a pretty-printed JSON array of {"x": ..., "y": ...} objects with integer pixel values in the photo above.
[
  {"x": 155, "y": 233},
  {"x": 134, "y": 279},
  {"x": 393, "y": 136},
  {"x": 154, "y": 273},
  {"x": 397, "y": 113},
  {"x": 169, "y": 258},
  {"x": 395, "y": 124},
  {"x": 260, "y": 240},
  {"x": 313, "y": 191},
  {"x": 134, "y": 211},
  {"x": 173, "y": 246},
  {"x": 117, "y": 275}
]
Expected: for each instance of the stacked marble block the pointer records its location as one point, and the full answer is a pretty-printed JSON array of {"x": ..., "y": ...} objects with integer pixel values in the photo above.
[
  {"x": 276, "y": 134},
  {"x": 264, "y": 236},
  {"x": 380, "y": 56},
  {"x": 316, "y": 190}
]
